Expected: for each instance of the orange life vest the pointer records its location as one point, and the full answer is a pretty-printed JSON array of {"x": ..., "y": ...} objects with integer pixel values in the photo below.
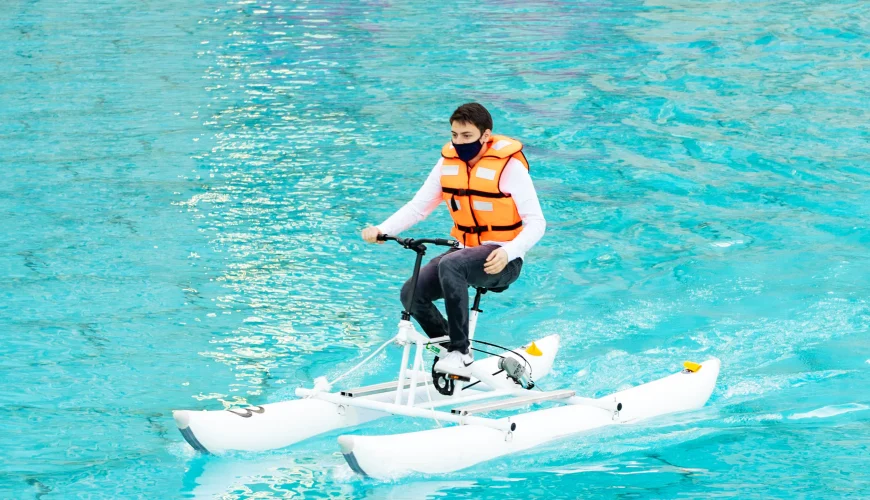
[{"x": 480, "y": 211}]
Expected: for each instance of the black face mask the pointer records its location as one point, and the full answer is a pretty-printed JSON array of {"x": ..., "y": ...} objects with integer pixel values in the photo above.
[{"x": 466, "y": 152}]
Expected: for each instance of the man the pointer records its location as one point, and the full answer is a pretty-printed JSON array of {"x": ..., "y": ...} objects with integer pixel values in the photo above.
[{"x": 484, "y": 181}]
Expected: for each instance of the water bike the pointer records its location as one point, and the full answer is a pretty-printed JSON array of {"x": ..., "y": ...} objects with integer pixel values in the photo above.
[{"x": 506, "y": 381}]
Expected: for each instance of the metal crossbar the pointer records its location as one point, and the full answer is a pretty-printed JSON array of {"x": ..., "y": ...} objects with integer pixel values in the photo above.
[
  {"x": 513, "y": 402},
  {"x": 409, "y": 411},
  {"x": 381, "y": 388}
]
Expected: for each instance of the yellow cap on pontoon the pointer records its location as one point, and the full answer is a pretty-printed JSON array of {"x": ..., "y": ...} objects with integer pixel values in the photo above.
[
  {"x": 692, "y": 367},
  {"x": 534, "y": 350}
]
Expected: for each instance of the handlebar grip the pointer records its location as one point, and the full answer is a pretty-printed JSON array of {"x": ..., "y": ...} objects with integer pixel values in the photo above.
[
  {"x": 382, "y": 237},
  {"x": 444, "y": 243}
]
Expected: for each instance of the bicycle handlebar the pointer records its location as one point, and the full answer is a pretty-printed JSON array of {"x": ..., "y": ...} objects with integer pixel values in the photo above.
[{"x": 414, "y": 244}]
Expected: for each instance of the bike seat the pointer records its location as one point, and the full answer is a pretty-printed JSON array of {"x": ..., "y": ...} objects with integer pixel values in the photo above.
[{"x": 496, "y": 289}]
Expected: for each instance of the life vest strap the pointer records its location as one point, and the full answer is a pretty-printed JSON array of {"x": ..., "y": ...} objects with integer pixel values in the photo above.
[
  {"x": 482, "y": 229},
  {"x": 473, "y": 192}
]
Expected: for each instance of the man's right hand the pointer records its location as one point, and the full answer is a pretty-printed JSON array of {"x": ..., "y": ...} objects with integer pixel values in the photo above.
[{"x": 370, "y": 234}]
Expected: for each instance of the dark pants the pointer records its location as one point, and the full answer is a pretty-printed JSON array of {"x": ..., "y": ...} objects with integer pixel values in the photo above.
[{"x": 448, "y": 276}]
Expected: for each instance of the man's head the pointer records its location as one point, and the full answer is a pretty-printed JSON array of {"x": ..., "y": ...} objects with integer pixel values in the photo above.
[{"x": 471, "y": 122}]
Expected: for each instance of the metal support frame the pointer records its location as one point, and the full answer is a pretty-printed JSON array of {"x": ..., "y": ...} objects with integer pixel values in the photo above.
[
  {"x": 408, "y": 411},
  {"x": 533, "y": 397},
  {"x": 411, "y": 377}
]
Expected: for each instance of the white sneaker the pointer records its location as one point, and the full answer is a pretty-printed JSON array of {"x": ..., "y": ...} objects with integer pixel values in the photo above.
[{"x": 455, "y": 363}]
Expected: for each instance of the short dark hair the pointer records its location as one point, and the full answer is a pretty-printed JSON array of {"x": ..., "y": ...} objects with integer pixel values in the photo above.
[{"x": 473, "y": 113}]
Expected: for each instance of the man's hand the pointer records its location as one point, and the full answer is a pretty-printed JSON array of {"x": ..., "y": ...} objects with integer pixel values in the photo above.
[
  {"x": 370, "y": 234},
  {"x": 496, "y": 261}
]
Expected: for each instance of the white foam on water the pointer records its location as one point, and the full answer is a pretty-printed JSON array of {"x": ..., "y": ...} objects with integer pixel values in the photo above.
[
  {"x": 830, "y": 411},
  {"x": 754, "y": 387},
  {"x": 651, "y": 471},
  {"x": 616, "y": 353},
  {"x": 767, "y": 417},
  {"x": 209, "y": 197},
  {"x": 726, "y": 244},
  {"x": 582, "y": 469},
  {"x": 759, "y": 386}
]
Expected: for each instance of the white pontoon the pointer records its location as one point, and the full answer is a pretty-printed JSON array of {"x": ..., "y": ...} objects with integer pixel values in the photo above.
[{"x": 499, "y": 383}]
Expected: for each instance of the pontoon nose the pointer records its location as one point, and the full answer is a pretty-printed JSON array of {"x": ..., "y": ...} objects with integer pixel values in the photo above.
[
  {"x": 346, "y": 443},
  {"x": 712, "y": 364},
  {"x": 182, "y": 418}
]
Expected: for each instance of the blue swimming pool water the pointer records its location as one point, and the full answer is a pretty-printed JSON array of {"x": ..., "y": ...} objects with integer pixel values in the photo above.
[{"x": 183, "y": 185}]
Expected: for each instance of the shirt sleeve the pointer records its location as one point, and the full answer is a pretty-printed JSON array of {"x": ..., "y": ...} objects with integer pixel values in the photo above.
[
  {"x": 516, "y": 181},
  {"x": 428, "y": 197}
]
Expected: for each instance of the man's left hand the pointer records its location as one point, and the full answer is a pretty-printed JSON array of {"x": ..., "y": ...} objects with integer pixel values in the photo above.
[{"x": 496, "y": 261}]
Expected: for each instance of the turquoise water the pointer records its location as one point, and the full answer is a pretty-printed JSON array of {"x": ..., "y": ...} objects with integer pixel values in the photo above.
[{"x": 184, "y": 183}]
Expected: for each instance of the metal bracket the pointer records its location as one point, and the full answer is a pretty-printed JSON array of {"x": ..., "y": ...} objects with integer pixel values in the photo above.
[{"x": 409, "y": 335}]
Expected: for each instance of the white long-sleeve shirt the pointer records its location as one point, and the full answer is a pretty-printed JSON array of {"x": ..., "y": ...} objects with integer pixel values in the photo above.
[{"x": 515, "y": 181}]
